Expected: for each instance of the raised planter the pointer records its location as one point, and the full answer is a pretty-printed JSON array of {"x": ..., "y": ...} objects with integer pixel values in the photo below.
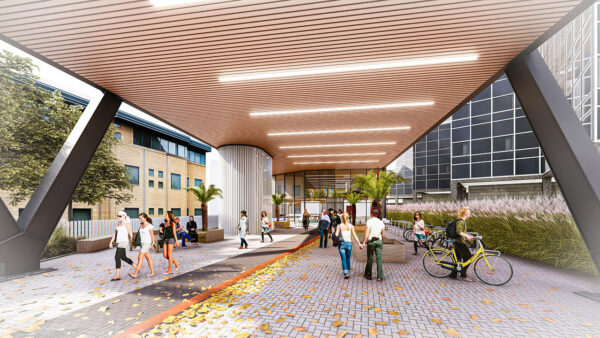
[
  {"x": 282, "y": 224},
  {"x": 93, "y": 245},
  {"x": 393, "y": 251},
  {"x": 212, "y": 235}
]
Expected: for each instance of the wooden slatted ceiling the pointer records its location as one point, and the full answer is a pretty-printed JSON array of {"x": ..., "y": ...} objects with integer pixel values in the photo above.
[{"x": 167, "y": 60}]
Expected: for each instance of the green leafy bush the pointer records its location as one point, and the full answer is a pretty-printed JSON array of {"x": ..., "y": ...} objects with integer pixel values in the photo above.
[
  {"x": 531, "y": 229},
  {"x": 60, "y": 243}
]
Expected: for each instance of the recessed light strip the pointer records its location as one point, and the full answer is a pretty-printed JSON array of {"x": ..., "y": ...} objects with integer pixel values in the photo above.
[
  {"x": 351, "y": 108},
  {"x": 338, "y": 131},
  {"x": 163, "y": 3},
  {"x": 333, "y": 162},
  {"x": 350, "y": 68},
  {"x": 336, "y": 155},
  {"x": 339, "y": 145}
]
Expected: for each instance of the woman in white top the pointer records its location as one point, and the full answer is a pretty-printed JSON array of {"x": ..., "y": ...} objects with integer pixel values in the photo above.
[
  {"x": 122, "y": 235},
  {"x": 265, "y": 227},
  {"x": 419, "y": 229},
  {"x": 243, "y": 229},
  {"x": 345, "y": 248},
  {"x": 147, "y": 240}
]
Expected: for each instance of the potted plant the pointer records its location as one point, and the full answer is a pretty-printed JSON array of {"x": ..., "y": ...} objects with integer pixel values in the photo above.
[
  {"x": 377, "y": 186},
  {"x": 353, "y": 198},
  {"x": 277, "y": 199},
  {"x": 205, "y": 195}
]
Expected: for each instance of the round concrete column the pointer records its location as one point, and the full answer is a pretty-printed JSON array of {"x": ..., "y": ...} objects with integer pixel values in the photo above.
[{"x": 245, "y": 176}]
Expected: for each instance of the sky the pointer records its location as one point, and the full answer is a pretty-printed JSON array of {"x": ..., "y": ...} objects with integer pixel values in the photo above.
[{"x": 59, "y": 79}]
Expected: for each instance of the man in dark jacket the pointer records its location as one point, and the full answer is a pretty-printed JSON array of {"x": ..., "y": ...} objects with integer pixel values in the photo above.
[
  {"x": 192, "y": 228},
  {"x": 335, "y": 221},
  {"x": 324, "y": 224}
]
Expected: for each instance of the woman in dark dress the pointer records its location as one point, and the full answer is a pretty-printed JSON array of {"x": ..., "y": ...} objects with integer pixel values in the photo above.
[{"x": 305, "y": 220}]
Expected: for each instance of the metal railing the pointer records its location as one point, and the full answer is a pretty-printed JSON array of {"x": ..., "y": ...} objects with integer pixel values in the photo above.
[{"x": 106, "y": 227}]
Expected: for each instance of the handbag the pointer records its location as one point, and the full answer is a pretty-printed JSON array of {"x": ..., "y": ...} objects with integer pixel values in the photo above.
[
  {"x": 427, "y": 231},
  {"x": 137, "y": 240}
]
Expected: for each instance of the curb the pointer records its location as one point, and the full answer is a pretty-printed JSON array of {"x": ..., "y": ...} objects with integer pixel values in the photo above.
[{"x": 186, "y": 303}]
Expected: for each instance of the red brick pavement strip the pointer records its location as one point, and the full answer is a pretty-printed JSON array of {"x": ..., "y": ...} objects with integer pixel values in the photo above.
[
  {"x": 124, "y": 311},
  {"x": 151, "y": 322}
]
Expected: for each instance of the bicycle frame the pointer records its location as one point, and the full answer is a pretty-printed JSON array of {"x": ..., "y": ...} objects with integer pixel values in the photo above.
[{"x": 479, "y": 252}]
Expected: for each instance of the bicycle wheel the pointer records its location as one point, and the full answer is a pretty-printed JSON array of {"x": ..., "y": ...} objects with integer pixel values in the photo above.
[
  {"x": 438, "y": 262},
  {"x": 409, "y": 235},
  {"x": 495, "y": 271}
]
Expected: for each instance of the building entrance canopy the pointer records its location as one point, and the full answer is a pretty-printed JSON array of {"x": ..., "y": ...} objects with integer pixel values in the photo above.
[{"x": 296, "y": 77}]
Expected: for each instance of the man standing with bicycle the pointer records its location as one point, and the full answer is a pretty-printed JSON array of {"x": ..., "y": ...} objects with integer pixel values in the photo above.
[{"x": 460, "y": 245}]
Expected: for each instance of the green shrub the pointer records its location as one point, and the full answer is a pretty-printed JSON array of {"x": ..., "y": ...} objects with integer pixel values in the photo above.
[
  {"x": 60, "y": 243},
  {"x": 551, "y": 238}
]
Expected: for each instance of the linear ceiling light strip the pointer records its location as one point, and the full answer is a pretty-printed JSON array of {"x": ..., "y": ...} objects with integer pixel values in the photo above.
[
  {"x": 350, "y": 108},
  {"x": 338, "y": 131},
  {"x": 336, "y": 155},
  {"x": 424, "y": 61},
  {"x": 338, "y": 145},
  {"x": 332, "y": 162}
]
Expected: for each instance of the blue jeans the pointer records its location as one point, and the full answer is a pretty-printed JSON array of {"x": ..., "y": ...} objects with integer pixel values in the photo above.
[
  {"x": 183, "y": 236},
  {"x": 243, "y": 241},
  {"x": 324, "y": 233},
  {"x": 345, "y": 252}
]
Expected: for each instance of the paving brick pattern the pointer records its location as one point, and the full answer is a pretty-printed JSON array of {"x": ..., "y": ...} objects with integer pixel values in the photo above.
[
  {"x": 66, "y": 301},
  {"x": 309, "y": 296}
]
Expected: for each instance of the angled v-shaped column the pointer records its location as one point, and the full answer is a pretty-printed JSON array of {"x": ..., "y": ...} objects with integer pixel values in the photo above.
[
  {"x": 22, "y": 242},
  {"x": 571, "y": 154}
]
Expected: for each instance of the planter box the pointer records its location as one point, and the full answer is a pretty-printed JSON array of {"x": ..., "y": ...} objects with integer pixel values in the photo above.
[
  {"x": 393, "y": 251},
  {"x": 282, "y": 224},
  {"x": 93, "y": 245},
  {"x": 212, "y": 235}
]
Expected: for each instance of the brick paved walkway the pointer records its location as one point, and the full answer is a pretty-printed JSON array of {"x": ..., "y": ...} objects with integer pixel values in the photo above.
[
  {"x": 67, "y": 301},
  {"x": 307, "y": 296}
]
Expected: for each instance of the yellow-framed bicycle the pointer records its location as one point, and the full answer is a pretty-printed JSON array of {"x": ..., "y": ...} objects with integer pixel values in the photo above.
[{"x": 489, "y": 266}]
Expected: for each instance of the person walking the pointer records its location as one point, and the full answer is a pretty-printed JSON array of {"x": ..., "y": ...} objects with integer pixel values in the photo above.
[
  {"x": 169, "y": 240},
  {"x": 266, "y": 227},
  {"x": 460, "y": 245},
  {"x": 374, "y": 241},
  {"x": 192, "y": 229},
  {"x": 335, "y": 220},
  {"x": 146, "y": 234},
  {"x": 305, "y": 220},
  {"x": 419, "y": 229},
  {"x": 243, "y": 229},
  {"x": 121, "y": 236},
  {"x": 181, "y": 232},
  {"x": 347, "y": 231},
  {"x": 324, "y": 223}
]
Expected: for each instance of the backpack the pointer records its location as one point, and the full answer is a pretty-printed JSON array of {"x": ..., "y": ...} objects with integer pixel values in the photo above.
[{"x": 451, "y": 229}]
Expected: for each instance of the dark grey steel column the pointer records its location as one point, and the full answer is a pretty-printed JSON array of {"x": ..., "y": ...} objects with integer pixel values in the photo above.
[
  {"x": 573, "y": 158},
  {"x": 20, "y": 252}
]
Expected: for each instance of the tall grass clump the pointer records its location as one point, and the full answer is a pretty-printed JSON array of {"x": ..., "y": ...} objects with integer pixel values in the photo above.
[
  {"x": 60, "y": 243},
  {"x": 539, "y": 228}
]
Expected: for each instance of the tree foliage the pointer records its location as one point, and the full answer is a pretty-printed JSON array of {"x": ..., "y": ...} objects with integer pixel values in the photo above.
[
  {"x": 278, "y": 198},
  {"x": 34, "y": 124},
  {"x": 204, "y": 194},
  {"x": 375, "y": 188},
  {"x": 354, "y": 197}
]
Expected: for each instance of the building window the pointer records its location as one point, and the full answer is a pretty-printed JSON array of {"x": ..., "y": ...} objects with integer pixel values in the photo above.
[
  {"x": 117, "y": 135},
  {"x": 82, "y": 214},
  {"x": 151, "y": 172},
  {"x": 187, "y": 184},
  {"x": 176, "y": 212},
  {"x": 196, "y": 157},
  {"x": 151, "y": 184},
  {"x": 134, "y": 174},
  {"x": 197, "y": 182},
  {"x": 160, "y": 185},
  {"x": 118, "y": 125},
  {"x": 175, "y": 181},
  {"x": 160, "y": 174},
  {"x": 133, "y": 213},
  {"x": 197, "y": 212},
  {"x": 151, "y": 211},
  {"x": 160, "y": 211}
]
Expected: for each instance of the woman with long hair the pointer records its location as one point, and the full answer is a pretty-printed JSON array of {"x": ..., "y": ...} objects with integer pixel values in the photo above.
[
  {"x": 265, "y": 226},
  {"x": 243, "y": 229},
  {"x": 419, "y": 228},
  {"x": 146, "y": 234},
  {"x": 169, "y": 240},
  {"x": 347, "y": 230},
  {"x": 305, "y": 220},
  {"x": 121, "y": 236}
]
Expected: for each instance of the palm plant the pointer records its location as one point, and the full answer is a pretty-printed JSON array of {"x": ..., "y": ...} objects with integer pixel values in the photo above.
[
  {"x": 205, "y": 195},
  {"x": 353, "y": 198},
  {"x": 377, "y": 186},
  {"x": 277, "y": 200}
]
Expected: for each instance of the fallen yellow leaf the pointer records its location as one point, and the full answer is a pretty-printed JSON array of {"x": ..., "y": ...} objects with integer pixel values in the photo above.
[
  {"x": 265, "y": 328},
  {"x": 403, "y": 332},
  {"x": 452, "y": 333},
  {"x": 486, "y": 301},
  {"x": 381, "y": 323},
  {"x": 337, "y": 323},
  {"x": 475, "y": 317},
  {"x": 341, "y": 334},
  {"x": 549, "y": 320},
  {"x": 437, "y": 321},
  {"x": 300, "y": 328},
  {"x": 373, "y": 332}
]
